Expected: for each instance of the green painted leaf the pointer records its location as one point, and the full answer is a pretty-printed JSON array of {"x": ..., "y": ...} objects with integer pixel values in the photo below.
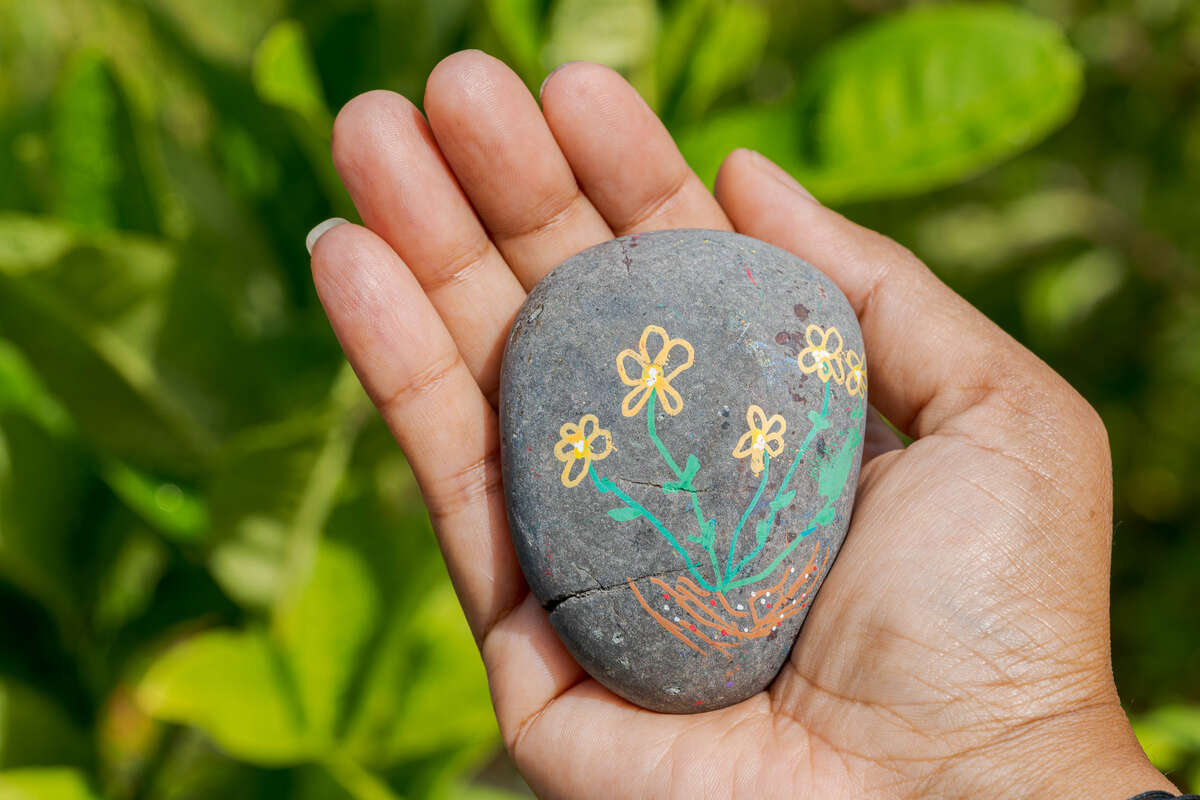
[
  {"x": 762, "y": 530},
  {"x": 235, "y": 687},
  {"x": 727, "y": 52},
  {"x": 919, "y": 100},
  {"x": 783, "y": 501},
  {"x": 321, "y": 629},
  {"x": 44, "y": 783},
  {"x": 624, "y": 513}
]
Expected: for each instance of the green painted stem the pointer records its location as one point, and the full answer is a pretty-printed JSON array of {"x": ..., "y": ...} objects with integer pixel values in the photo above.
[
  {"x": 606, "y": 485},
  {"x": 762, "y": 485},
  {"x": 812, "y": 432},
  {"x": 691, "y": 490},
  {"x": 778, "y": 559}
]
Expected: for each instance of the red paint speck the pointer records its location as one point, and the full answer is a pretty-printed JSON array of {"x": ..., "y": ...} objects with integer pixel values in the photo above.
[
  {"x": 722, "y": 633},
  {"x": 693, "y": 627},
  {"x": 666, "y": 596},
  {"x": 751, "y": 277}
]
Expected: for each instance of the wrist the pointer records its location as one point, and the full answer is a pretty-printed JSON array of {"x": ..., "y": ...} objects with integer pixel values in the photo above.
[{"x": 1088, "y": 751}]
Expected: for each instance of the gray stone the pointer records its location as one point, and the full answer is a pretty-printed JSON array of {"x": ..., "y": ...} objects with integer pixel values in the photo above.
[{"x": 630, "y": 543}]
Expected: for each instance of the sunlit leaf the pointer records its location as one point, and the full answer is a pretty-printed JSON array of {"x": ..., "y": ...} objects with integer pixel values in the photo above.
[
  {"x": 919, "y": 100},
  {"x": 728, "y": 50},
  {"x": 44, "y": 783},
  {"x": 618, "y": 33},
  {"x": 284, "y": 73},
  {"x": 235, "y": 687},
  {"x": 321, "y": 629}
]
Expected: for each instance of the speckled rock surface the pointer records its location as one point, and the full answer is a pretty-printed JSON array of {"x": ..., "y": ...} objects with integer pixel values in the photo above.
[{"x": 681, "y": 426}]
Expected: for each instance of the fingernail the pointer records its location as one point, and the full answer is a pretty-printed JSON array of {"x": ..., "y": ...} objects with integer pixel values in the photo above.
[
  {"x": 781, "y": 175},
  {"x": 546, "y": 79},
  {"x": 320, "y": 230}
]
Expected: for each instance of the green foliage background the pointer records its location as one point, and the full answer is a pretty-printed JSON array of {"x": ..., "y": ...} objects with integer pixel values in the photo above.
[{"x": 216, "y": 577}]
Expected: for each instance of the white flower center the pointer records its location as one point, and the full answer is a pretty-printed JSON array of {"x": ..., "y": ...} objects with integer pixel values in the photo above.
[
  {"x": 580, "y": 448},
  {"x": 821, "y": 355},
  {"x": 651, "y": 377},
  {"x": 760, "y": 441}
]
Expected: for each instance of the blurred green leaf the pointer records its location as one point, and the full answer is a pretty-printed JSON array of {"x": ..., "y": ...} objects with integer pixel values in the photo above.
[
  {"x": 274, "y": 697},
  {"x": 284, "y": 73},
  {"x": 21, "y": 390},
  {"x": 82, "y": 320},
  {"x": 48, "y": 783},
  {"x": 85, "y": 146},
  {"x": 727, "y": 52},
  {"x": 681, "y": 24},
  {"x": 35, "y": 731},
  {"x": 321, "y": 629},
  {"x": 236, "y": 688},
  {"x": 170, "y": 508},
  {"x": 44, "y": 484},
  {"x": 518, "y": 25},
  {"x": 618, "y": 33},
  {"x": 919, "y": 100},
  {"x": 274, "y": 491},
  {"x": 1061, "y": 295}
]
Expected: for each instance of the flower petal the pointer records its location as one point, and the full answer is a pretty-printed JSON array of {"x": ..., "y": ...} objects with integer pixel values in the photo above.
[
  {"x": 672, "y": 403},
  {"x": 689, "y": 357},
  {"x": 742, "y": 448},
  {"x": 756, "y": 418},
  {"x": 832, "y": 334},
  {"x": 814, "y": 336},
  {"x": 623, "y": 371},
  {"x": 569, "y": 480},
  {"x": 608, "y": 444},
  {"x": 564, "y": 450},
  {"x": 628, "y": 406},
  {"x": 776, "y": 420},
  {"x": 756, "y": 462},
  {"x": 774, "y": 443},
  {"x": 644, "y": 342}
]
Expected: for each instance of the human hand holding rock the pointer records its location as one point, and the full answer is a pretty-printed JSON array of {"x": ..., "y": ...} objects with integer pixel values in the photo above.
[{"x": 959, "y": 645}]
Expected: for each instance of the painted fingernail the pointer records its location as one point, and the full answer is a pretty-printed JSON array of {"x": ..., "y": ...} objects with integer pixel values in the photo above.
[
  {"x": 320, "y": 230},
  {"x": 781, "y": 175}
]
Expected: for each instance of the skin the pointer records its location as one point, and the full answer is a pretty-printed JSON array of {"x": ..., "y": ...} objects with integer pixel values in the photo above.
[{"x": 960, "y": 644}]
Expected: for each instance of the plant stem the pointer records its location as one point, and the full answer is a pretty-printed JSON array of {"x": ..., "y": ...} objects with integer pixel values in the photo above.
[
  {"x": 762, "y": 484},
  {"x": 691, "y": 490},
  {"x": 812, "y": 432},
  {"x": 779, "y": 558},
  {"x": 606, "y": 485}
]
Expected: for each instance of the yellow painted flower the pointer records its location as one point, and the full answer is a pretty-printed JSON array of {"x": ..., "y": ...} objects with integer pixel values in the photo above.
[
  {"x": 646, "y": 374},
  {"x": 856, "y": 374},
  {"x": 577, "y": 447},
  {"x": 761, "y": 438},
  {"x": 823, "y": 354}
]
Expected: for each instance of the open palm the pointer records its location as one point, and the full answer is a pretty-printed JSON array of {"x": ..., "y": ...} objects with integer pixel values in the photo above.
[{"x": 959, "y": 646}]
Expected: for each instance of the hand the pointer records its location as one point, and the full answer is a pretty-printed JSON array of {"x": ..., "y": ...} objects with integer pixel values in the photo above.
[{"x": 959, "y": 646}]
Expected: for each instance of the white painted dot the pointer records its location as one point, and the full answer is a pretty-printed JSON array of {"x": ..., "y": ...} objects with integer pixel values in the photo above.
[
  {"x": 745, "y": 630},
  {"x": 768, "y": 594},
  {"x": 666, "y": 608},
  {"x": 740, "y": 607},
  {"x": 763, "y": 601},
  {"x": 793, "y": 569},
  {"x": 677, "y": 619}
]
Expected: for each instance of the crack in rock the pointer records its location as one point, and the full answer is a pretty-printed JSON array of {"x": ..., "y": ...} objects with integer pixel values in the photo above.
[
  {"x": 556, "y": 601},
  {"x": 695, "y": 489}
]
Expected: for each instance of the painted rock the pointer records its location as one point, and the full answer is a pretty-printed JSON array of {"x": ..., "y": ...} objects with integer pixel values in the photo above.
[{"x": 682, "y": 421}]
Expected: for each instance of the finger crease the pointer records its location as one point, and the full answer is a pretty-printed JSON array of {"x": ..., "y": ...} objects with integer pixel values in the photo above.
[
  {"x": 563, "y": 211},
  {"x": 477, "y": 481},
  {"x": 657, "y": 202},
  {"x": 460, "y": 268},
  {"x": 424, "y": 382}
]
